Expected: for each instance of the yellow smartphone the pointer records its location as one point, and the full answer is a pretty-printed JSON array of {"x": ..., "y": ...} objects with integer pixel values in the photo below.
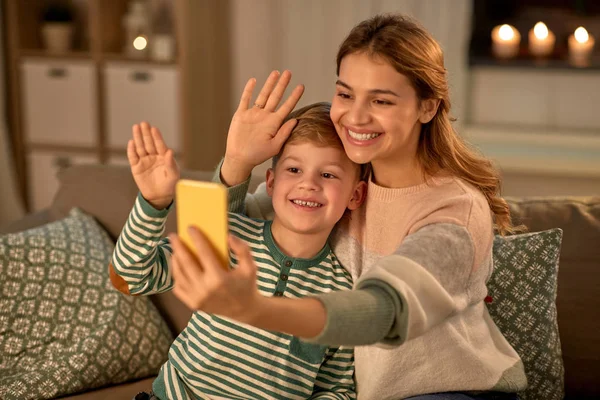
[{"x": 203, "y": 204}]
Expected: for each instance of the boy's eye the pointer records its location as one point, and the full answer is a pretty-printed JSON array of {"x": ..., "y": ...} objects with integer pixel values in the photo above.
[
  {"x": 293, "y": 170},
  {"x": 343, "y": 95},
  {"x": 327, "y": 175}
]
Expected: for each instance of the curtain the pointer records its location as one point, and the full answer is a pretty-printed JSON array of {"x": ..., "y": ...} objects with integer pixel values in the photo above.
[
  {"x": 11, "y": 207},
  {"x": 304, "y": 36}
]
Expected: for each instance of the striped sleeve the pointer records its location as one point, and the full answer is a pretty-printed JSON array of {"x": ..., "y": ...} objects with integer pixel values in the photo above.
[
  {"x": 141, "y": 256},
  {"x": 335, "y": 379}
]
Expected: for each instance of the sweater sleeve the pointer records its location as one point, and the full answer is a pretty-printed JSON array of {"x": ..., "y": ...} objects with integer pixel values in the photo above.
[
  {"x": 256, "y": 205},
  {"x": 425, "y": 281},
  {"x": 141, "y": 257}
]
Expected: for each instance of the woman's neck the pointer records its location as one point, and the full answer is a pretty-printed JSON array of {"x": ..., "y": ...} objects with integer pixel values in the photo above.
[{"x": 398, "y": 173}]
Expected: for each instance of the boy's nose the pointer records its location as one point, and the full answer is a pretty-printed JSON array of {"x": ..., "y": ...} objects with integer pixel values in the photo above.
[{"x": 309, "y": 183}]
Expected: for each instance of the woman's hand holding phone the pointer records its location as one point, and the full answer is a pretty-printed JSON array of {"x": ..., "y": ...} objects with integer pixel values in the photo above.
[{"x": 153, "y": 165}]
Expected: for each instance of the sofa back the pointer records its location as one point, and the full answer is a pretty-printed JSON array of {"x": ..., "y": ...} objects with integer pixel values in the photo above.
[
  {"x": 108, "y": 193},
  {"x": 578, "y": 298}
]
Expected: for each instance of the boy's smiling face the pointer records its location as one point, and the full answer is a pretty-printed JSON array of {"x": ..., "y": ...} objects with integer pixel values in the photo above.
[{"x": 312, "y": 186}]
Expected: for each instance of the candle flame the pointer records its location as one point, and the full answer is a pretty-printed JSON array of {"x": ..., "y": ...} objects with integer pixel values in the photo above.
[
  {"x": 540, "y": 30},
  {"x": 506, "y": 32},
  {"x": 140, "y": 43},
  {"x": 581, "y": 35}
]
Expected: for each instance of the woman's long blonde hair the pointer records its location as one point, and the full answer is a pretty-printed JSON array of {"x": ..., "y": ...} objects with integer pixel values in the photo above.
[{"x": 414, "y": 53}]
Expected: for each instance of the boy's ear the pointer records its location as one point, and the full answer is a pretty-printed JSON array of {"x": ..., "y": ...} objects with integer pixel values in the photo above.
[
  {"x": 428, "y": 109},
  {"x": 270, "y": 181},
  {"x": 358, "y": 196}
]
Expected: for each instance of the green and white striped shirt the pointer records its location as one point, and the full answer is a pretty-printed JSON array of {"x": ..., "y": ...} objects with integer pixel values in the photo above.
[{"x": 217, "y": 358}]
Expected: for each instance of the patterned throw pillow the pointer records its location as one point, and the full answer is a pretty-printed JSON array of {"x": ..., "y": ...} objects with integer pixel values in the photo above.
[
  {"x": 63, "y": 328},
  {"x": 523, "y": 305}
]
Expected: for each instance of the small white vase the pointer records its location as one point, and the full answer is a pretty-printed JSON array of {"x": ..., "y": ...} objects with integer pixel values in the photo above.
[
  {"x": 57, "y": 36},
  {"x": 163, "y": 47}
]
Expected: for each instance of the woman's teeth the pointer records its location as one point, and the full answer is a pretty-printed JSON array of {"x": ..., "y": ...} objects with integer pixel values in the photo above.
[
  {"x": 306, "y": 203},
  {"x": 362, "y": 136}
]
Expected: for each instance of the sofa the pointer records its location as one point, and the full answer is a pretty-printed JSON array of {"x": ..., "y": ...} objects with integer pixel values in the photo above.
[{"x": 108, "y": 193}]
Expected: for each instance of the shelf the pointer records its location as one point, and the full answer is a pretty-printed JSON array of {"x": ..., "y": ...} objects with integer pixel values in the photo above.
[
  {"x": 526, "y": 62},
  {"x": 126, "y": 59},
  {"x": 40, "y": 53},
  {"x": 61, "y": 148}
]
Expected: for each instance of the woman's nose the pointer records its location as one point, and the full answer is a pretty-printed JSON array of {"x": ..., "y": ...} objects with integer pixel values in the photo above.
[{"x": 358, "y": 114}]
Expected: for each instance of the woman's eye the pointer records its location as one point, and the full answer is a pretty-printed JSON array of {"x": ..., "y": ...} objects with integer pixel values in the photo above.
[
  {"x": 293, "y": 170},
  {"x": 382, "y": 102},
  {"x": 343, "y": 95}
]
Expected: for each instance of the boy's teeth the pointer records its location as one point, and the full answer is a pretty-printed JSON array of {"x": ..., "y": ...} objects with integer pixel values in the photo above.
[
  {"x": 362, "y": 136},
  {"x": 306, "y": 203}
]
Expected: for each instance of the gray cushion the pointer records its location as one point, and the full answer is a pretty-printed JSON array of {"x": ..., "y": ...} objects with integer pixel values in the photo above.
[{"x": 63, "y": 328}]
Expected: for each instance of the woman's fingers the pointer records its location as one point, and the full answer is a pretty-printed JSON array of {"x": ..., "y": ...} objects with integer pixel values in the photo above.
[
  {"x": 284, "y": 132},
  {"x": 277, "y": 94},
  {"x": 247, "y": 95},
  {"x": 138, "y": 141},
  {"x": 147, "y": 138},
  {"x": 291, "y": 101},
  {"x": 246, "y": 263},
  {"x": 205, "y": 251},
  {"x": 186, "y": 264},
  {"x": 265, "y": 92}
]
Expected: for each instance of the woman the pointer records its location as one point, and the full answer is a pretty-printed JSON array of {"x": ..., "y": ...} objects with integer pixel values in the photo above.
[{"x": 419, "y": 250}]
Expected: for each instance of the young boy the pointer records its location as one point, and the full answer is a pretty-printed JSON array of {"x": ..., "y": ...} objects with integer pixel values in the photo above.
[{"x": 312, "y": 183}]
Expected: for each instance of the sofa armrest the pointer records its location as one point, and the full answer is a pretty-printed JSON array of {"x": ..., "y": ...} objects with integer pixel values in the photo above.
[{"x": 27, "y": 222}]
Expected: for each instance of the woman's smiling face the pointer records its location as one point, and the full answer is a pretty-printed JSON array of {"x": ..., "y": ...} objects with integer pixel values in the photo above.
[{"x": 376, "y": 112}]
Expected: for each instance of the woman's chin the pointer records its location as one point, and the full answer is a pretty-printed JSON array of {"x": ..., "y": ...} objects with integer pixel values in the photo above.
[{"x": 358, "y": 155}]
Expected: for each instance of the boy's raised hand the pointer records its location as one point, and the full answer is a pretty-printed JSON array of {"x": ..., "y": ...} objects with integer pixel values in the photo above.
[
  {"x": 153, "y": 165},
  {"x": 256, "y": 134}
]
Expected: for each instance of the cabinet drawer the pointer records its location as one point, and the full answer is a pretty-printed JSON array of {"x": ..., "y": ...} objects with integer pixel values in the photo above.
[
  {"x": 141, "y": 92},
  {"x": 43, "y": 168},
  {"x": 60, "y": 102}
]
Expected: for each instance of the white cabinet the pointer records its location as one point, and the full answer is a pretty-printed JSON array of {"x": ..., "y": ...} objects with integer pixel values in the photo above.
[
  {"x": 546, "y": 99},
  {"x": 141, "y": 92},
  {"x": 43, "y": 168},
  {"x": 60, "y": 102}
]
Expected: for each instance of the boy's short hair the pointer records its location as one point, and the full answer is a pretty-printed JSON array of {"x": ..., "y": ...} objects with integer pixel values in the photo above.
[{"x": 314, "y": 126}]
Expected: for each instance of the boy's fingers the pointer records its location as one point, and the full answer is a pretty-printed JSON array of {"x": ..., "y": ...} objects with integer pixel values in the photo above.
[
  {"x": 279, "y": 90},
  {"x": 138, "y": 141},
  {"x": 267, "y": 88},
  {"x": 159, "y": 143},
  {"x": 147, "y": 138},
  {"x": 247, "y": 95},
  {"x": 131, "y": 154},
  {"x": 291, "y": 101}
]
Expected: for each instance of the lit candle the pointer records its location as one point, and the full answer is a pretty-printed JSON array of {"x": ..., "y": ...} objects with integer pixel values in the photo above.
[
  {"x": 505, "y": 41},
  {"x": 541, "y": 40},
  {"x": 581, "y": 44}
]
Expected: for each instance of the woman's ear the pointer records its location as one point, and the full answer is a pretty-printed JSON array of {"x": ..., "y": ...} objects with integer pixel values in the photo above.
[
  {"x": 270, "y": 181},
  {"x": 428, "y": 109},
  {"x": 358, "y": 196}
]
